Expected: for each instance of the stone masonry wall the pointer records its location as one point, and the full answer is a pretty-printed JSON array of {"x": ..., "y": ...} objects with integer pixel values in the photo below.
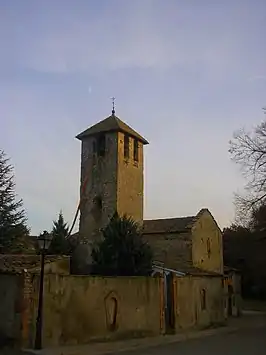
[
  {"x": 130, "y": 181},
  {"x": 118, "y": 182},
  {"x": 28, "y": 315},
  {"x": 101, "y": 176},
  {"x": 206, "y": 229},
  {"x": 173, "y": 249}
]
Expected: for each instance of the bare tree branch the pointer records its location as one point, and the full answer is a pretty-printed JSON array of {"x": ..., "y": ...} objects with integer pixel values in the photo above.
[{"x": 248, "y": 150}]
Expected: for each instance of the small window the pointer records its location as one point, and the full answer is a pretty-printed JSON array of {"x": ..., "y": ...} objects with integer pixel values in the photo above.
[
  {"x": 209, "y": 248},
  {"x": 98, "y": 202},
  {"x": 136, "y": 150},
  {"x": 101, "y": 145},
  {"x": 203, "y": 299},
  {"x": 126, "y": 146}
]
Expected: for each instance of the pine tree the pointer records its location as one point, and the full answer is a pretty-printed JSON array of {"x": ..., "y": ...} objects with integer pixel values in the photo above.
[
  {"x": 13, "y": 226},
  {"x": 60, "y": 244},
  {"x": 122, "y": 252}
]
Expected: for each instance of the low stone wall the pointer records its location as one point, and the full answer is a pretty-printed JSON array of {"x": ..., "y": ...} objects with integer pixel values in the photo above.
[{"x": 79, "y": 309}]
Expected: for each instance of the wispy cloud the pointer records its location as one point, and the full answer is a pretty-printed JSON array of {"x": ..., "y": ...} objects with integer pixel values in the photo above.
[
  {"x": 138, "y": 34},
  {"x": 257, "y": 77}
]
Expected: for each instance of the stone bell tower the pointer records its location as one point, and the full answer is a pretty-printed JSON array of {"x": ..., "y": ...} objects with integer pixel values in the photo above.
[{"x": 111, "y": 175}]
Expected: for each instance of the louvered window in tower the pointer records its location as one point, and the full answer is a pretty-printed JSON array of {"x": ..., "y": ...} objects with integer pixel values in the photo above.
[
  {"x": 101, "y": 145},
  {"x": 126, "y": 146},
  {"x": 136, "y": 150}
]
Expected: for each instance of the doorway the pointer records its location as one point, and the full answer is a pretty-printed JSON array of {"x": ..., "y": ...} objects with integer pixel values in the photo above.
[{"x": 169, "y": 303}]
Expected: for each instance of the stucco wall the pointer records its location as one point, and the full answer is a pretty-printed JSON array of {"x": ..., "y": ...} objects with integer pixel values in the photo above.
[
  {"x": 206, "y": 229},
  {"x": 189, "y": 312},
  {"x": 16, "y": 316},
  {"x": 77, "y": 308},
  {"x": 9, "y": 306}
]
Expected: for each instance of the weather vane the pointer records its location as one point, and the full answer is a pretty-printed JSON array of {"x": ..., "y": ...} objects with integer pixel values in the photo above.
[{"x": 113, "y": 101}]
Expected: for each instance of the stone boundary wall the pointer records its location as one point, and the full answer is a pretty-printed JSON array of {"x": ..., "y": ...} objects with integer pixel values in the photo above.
[{"x": 80, "y": 309}]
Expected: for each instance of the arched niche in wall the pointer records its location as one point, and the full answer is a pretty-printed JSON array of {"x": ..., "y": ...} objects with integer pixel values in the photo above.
[{"x": 111, "y": 310}]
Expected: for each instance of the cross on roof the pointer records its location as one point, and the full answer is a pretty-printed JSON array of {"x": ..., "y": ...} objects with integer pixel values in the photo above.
[{"x": 113, "y": 101}]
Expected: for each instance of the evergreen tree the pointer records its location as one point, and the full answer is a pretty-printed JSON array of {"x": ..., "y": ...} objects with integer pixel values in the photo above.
[
  {"x": 60, "y": 244},
  {"x": 13, "y": 226},
  {"x": 122, "y": 252}
]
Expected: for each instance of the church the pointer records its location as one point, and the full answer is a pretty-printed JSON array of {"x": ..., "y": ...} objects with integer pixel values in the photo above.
[
  {"x": 188, "y": 251},
  {"x": 189, "y": 286},
  {"x": 112, "y": 179}
]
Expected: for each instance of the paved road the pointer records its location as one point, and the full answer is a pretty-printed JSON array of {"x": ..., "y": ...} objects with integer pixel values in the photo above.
[
  {"x": 250, "y": 339},
  {"x": 244, "y": 342}
]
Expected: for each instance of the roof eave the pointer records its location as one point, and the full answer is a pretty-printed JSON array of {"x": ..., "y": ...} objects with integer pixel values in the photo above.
[
  {"x": 83, "y": 134},
  {"x": 174, "y": 231}
]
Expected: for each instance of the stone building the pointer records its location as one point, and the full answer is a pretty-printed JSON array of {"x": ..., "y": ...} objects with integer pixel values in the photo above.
[
  {"x": 188, "y": 254},
  {"x": 111, "y": 174},
  {"x": 188, "y": 243},
  {"x": 111, "y": 179}
]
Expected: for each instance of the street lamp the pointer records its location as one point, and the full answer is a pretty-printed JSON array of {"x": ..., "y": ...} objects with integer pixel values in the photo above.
[{"x": 44, "y": 241}]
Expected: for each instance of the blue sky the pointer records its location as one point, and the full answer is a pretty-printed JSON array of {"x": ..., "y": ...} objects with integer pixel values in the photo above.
[{"x": 186, "y": 74}]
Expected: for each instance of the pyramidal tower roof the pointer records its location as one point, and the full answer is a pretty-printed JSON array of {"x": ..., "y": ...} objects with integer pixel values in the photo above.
[{"x": 111, "y": 124}]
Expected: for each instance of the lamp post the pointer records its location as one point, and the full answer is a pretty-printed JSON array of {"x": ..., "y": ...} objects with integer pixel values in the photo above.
[{"x": 44, "y": 241}]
